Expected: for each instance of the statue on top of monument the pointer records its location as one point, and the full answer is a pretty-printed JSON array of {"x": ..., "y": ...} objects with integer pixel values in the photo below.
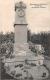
[
  {"x": 20, "y": 7},
  {"x": 20, "y": 13}
]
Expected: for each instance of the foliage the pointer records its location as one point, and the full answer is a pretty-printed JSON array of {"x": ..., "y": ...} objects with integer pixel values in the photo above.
[
  {"x": 42, "y": 38},
  {"x": 7, "y": 41}
]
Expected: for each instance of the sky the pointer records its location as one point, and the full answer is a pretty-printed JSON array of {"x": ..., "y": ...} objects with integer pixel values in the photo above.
[{"x": 38, "y": 19}]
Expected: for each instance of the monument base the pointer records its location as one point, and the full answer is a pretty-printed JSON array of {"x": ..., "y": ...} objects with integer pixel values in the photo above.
[
  {"x": 21, "y": 67},
  {"x": 22, "y": 50}
]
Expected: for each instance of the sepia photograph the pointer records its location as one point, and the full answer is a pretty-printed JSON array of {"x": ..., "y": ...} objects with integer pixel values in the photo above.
[{"x": 24, "y": 39}]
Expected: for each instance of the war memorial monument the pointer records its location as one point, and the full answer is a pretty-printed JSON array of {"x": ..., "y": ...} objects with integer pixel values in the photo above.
[{"x": 24, "y": 65}]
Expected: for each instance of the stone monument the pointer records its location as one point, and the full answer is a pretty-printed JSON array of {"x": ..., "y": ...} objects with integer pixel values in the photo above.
[
  {"x": 24, "y": 64},
  {"x": 20, "y": 26}
]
